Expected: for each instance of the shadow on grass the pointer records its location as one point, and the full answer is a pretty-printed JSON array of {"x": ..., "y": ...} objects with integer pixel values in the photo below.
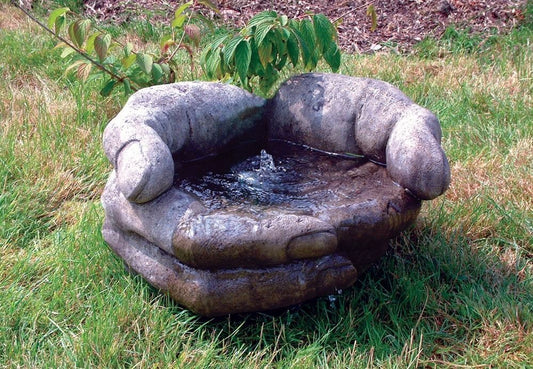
[{"x": 432, "y": 297}]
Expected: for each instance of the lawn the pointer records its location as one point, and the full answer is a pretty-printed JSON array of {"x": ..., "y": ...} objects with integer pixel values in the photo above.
[{"x": 455, "y": 290}]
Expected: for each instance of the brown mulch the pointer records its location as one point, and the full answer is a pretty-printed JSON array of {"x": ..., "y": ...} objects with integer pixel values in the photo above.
[{"x": 400, "y": 23}]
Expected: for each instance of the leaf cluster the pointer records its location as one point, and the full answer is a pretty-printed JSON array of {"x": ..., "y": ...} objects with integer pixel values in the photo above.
[
  {"x": 254, "y": 56},
  {"x": 93, "y": 49},
  {"x": 267, "y": 44}
]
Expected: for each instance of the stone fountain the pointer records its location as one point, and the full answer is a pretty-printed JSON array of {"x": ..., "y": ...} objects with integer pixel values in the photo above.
[{"x": 232, "y": 203}]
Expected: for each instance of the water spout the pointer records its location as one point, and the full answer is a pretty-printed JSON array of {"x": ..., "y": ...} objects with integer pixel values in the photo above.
[{"x": 266, "y": 164}]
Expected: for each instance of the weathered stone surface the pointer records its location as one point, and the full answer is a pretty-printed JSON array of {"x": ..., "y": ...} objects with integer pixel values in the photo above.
[
  {"x": 225, "y": 291},
  {"x": 239, "y": 260},
  {"x": 187, "y": 120},
  {"x": 363, "y": 116},
  {"x": 255, "y": 256}
]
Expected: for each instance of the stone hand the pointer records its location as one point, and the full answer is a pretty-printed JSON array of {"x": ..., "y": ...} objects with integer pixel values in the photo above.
[
  {"x": 235, "y": 260},
  {"x": 186, "y": 121},
  {"x": 363, "y": 116},
  {"x": 220, "y": 262}
]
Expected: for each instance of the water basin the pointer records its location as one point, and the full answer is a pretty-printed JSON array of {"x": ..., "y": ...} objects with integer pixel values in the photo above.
[{"x": 280, "y": 173}]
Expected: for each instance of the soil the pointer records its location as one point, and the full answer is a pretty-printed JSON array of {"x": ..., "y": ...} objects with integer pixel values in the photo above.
[{"x": 400, "y": 23}]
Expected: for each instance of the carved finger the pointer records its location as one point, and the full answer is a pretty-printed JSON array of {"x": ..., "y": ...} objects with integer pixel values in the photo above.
[
  {"x": 215, "y": 293},
  {"x": 226, "y": 239},
  {"x": 180, "y": 225},
  {"x": 415, "y": 158},
  {"x": 364, "y": 116}
]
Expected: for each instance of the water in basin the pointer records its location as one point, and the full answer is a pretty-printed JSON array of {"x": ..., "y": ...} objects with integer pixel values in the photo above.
[{"x": 279, "y": 173}]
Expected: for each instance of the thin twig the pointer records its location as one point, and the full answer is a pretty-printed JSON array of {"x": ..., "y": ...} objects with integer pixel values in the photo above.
[
  {"x": 69, "y": 44},
  {"x": 180, "y": 44}
]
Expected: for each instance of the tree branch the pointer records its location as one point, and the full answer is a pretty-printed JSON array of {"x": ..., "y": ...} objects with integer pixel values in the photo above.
[{"x": 69, "y": 44}]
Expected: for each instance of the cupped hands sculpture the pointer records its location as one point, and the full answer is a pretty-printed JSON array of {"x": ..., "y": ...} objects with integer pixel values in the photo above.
[{"x": 217, "y": 260}]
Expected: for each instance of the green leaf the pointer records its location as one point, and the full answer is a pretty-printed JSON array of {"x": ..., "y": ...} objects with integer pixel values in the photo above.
[
  {"x": 217, "y": 42},
  {"x": 269, "y": 79},
  {"x": 178, "y": 21},
  {"x": 211, "y": 59},
  {"x": 214, "y": 64},
  {"x": 108, "y": 87},
  {"x": 293, "y": 50},
  {"x": 332, "y": 56},
  {"x": 157, "y": 72},
  {"x": 128, "y": 60},
  {"x": 182, "y": 8},
  {"x": 324, "y": 31},
  {"x": 264, "y": 16},
  {"x": 371, "y": 12},
  {"x": 261, "y": 31},
  {"x": 256, "y": 68},
  {"x": 67, "y": 51},
  {"x": 278, "y": 40},
  {"x": 165, "y": 68},
  {"x": 58, "y": 13},
  {"x": 101, "y": 45},
  {"x": 265, "y": 53},
  {"x": 231, "y": 46},
  {"x": 89, "y": 45},
  {"x": 78, "y": 31},
  {"x": 308, "y": 32},
  {"x": 84, "y": 27},
  {"x": 179, "y": 17},
  {"x": 72, "y": 34},
  {"x": 128, "y": 49},
  {"x": 243, "y": 56},
  {"x": 145, "y": 62},
  {"x": 285, "y": 33},
  {"x": 127, "y": 86},
  {"x": 204, "y": 56},
  {"x": 59, "y": 24},
  {"x": 306, "y": 41}
]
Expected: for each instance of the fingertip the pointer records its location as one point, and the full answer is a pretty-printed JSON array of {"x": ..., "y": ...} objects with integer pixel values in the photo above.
[
  {"x": 312, "y": 245},
  {"x": 143, "y": 173},
  {"x": 415, "y": 158}
]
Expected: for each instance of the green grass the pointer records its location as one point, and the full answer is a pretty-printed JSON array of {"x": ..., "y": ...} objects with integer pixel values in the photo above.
[{"x": 454, "y": 291}]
